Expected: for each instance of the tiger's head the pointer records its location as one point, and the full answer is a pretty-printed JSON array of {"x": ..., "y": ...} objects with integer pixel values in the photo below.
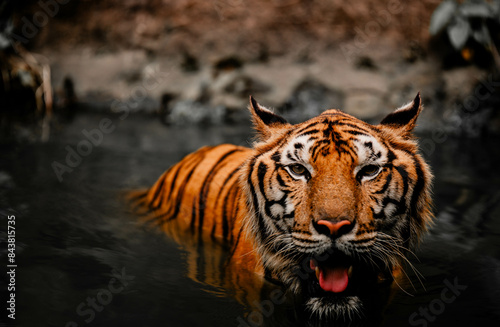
[{"x": 336, "y": 204}]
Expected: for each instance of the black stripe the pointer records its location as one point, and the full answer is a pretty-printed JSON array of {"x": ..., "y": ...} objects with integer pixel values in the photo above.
[
  {"x": 226, "y": 181},
  {"x": 182, "y": 188},
  {"x": 261, "y": 173},
  {"x": 235, "y": 246},
  {"x": 312, "y": 131},
  {"x": 235, "y": 214},
  {"x": 206, "y": 187},
  {"x": 290, "y": 215},
  {"x": 296, "y": 153},
  {"x": 404, "y": 175},
  {"x": 260, "y": 218},
  {"x": 159, "y": 218},
  {"x": 305, "y": 240},
  {"x": 280, "y": 180},
  {"x": 280, "y": 202},
  {"x": 193, "y": 216},
  {"x": 358, "y": 128},
  {"x": 417, "y": 190},
  {"x": 387, "y": 200},
  {"x": 319, "y": 145},
  {"x": 362, "y": 241},
  {"x": 276, "y": 156},
  {"x": 386, "y": 185},
  {"x": 379, "y": 215},
  {"x": 178, "y": 170},
  {"x": 357, "y": 133},
  {"x": 225, "y": 220},
  {"x": 333, "y": 114},
  {"x": 390, "y": 155},
  {"x": 159, "y": 190},
  {"x": 174, "y": 180},
  {"x": 405, "y": 149},
  {"x": 306, "y": 127}
]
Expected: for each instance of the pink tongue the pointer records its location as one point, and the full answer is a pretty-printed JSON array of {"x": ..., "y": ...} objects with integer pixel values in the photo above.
[{"x": 333, "y": 279}]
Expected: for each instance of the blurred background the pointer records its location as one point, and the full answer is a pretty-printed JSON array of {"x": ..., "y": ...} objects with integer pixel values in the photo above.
[
  {"x": 198, "y": 61},
  {"x": 97, "y": 97}
]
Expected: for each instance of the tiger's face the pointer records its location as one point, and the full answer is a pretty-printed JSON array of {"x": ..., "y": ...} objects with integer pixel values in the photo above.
[{"x": 336, "y": 204}]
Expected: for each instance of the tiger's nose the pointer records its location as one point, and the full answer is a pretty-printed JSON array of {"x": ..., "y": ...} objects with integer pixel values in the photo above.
[{"x": 335, "y": 229}]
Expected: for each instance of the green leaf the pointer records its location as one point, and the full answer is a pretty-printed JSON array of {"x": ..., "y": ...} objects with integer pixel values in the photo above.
[
  {"x": 442, "y": 16},
  {"x": 482, "y": 35},
  {"x": 458, "y": 32},
  {"x": 476, "y": 9},
  {"x": 495, "y": 8}
]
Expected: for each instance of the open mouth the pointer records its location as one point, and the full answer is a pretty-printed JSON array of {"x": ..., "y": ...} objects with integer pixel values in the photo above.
[
  {"x": 342, "y": 288},
  {"x": 332, "y": 279},
  {"x": 340, "y": 276}
]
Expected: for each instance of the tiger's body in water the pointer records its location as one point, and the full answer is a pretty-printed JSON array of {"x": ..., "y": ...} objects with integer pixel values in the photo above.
[{"x": 329, "y": 208}]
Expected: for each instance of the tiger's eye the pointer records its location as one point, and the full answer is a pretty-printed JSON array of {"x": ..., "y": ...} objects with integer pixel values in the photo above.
[
  {"x": 298, "y": 169},
  {"x": 369, "y": 171}
]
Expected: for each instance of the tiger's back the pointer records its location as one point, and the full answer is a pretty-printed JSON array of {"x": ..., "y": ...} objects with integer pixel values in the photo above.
[{"x": 201, "y": 197}]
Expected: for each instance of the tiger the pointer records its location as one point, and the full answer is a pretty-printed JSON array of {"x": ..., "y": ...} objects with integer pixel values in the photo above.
[{"x": 330, "y": 208}]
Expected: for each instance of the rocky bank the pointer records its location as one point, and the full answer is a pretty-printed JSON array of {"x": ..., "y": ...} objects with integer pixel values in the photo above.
[{"x": 197, "y": 62}]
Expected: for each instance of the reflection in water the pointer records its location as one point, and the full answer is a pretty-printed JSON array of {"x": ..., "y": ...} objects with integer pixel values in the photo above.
[
  {"x": 72, "y": 235},
  {"x": 268, "y": 303}
]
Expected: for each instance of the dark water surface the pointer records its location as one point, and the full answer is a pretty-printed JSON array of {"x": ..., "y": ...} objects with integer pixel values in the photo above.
[{"x": 83, "y": 260}]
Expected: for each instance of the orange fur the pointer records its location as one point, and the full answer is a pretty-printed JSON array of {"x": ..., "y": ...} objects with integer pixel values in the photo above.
[{"x": 263, "y": 204}]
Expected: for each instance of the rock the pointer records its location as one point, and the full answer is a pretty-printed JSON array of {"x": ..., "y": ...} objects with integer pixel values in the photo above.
[
  {"x": 189, "y": 63},
  {"x": 282, "y": 77},
  {"x": 223, "y": 81},
  {"x": 365, "y": 62},
  {"x": 309, "y": 99},
  {"x": 186, "y": 112},
  {"x": 244, "y": 86},
  {"x": 196, "y": 90},
  {"x": 364, "y": 105},
  {"x": 460, "y": 82},
  {"x": 336, "y": 73},
  {"x": 229, "y": 101},
  {"x": 228, "y": 63}
]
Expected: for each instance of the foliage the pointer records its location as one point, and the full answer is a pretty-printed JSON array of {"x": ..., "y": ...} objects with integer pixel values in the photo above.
[{"x": 470, "y": 19}]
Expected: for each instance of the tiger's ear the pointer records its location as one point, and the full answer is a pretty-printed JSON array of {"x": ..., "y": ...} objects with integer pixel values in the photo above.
[
  {"x": 404, "y": 119},
  {"x": 264, "y": 120}
]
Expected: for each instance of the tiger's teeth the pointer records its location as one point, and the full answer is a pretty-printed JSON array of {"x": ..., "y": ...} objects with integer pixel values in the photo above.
[
  {"x": 316, "y": 269},
  {"x": 349, "y": 272}
]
